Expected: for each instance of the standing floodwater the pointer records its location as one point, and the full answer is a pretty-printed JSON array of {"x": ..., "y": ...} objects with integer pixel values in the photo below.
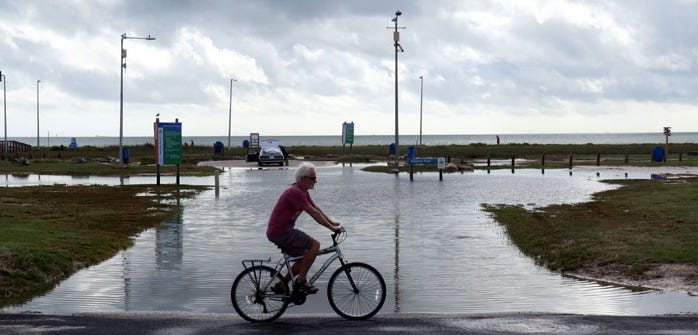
[{"x": 436, "y": 249}]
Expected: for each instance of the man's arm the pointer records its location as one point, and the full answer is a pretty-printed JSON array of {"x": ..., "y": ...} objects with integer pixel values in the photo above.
[{"x": 321, "y": 218}]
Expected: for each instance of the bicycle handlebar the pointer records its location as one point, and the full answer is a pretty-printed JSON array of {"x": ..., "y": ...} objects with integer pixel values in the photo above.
[{"x": 336, "y": 235}]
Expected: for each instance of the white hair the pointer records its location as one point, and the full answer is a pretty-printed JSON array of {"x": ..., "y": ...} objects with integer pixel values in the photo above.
[{"x": 304, "y": 170}]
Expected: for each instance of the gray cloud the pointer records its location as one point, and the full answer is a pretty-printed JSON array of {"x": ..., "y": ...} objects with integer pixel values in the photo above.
[{"x": 491, "y": 60}]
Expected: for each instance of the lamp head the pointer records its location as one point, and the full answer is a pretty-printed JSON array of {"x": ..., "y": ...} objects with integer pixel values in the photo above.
[
  {"x": 398, "y": 13},
  {"x": 149, "y": 38}
]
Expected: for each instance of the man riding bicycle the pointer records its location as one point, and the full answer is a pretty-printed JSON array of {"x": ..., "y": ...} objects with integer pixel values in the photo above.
[{"x": 281, "y": 228}]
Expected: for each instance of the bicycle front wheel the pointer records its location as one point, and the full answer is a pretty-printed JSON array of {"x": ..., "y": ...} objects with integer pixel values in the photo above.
[
  {"x": 356, "y": 291},
  {"x": 252, "y": 301}
]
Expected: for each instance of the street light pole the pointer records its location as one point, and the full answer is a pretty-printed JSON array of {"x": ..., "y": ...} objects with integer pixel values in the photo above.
[
  {"x": 121, "y": 95},
  {"x": 396, "y": 39},
  {"x": 230, "y": 110},
  {"x": 421, "y": 94},
  {"x": 37, "y": 113},
  {"x": 4, "y": 108}
]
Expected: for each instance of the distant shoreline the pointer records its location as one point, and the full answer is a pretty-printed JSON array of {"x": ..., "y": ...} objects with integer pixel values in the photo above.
[{"x": 405, "y": 139}]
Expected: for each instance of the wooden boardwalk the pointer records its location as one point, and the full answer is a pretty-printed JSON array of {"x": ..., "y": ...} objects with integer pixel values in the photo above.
[{"x": 14, "y": 146}]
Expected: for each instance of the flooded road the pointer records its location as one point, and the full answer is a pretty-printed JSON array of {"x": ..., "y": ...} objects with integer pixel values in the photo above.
[{"x": 436, "y": 249}]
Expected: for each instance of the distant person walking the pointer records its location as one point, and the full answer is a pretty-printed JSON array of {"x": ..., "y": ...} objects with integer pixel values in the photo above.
[
  {"x": 285, "y": 153},
  {"x": 497, "y": 138}
]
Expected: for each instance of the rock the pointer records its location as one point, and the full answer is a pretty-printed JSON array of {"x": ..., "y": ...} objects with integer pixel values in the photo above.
[{"x": 22, "y": 161}]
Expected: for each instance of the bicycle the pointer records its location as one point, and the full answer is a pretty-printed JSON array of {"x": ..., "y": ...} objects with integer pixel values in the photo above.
[{"x": 356, "y": 291}]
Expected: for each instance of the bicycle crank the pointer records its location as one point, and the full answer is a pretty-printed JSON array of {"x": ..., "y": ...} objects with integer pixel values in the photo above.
[{"x": 298, "y": 297}]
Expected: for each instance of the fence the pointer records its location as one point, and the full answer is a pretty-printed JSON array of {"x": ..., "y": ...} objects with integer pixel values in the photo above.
[{"x": 15, "y": 146}]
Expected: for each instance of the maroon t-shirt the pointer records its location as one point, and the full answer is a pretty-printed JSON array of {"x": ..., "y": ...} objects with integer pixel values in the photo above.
[{"x": 289, "y": 206}]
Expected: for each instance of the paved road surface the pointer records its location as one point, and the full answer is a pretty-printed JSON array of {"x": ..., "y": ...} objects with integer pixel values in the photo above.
[{"x": 185, "y": 323}]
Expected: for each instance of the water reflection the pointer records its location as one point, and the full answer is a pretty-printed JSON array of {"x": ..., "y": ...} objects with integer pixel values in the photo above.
[
  {"x": 436, "y": 249},
  {"x": 169, "y": 241}
]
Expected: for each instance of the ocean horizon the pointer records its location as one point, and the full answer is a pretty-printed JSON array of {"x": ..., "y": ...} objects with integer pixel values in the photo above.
[{"x": 336, "y": 140}]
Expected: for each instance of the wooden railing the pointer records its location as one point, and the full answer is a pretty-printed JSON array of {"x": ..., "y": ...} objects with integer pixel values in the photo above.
[{"x": 14, "y": 146}]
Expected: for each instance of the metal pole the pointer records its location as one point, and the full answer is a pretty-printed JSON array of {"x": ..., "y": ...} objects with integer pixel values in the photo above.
[
  {"x": 421, "y": 94},
  {"x": 230, "y": 110},
  {"x": 37, "y": 113},
  {"x": 4, "y": 105},
  {"x": 396, "y": 39},
  {"x": 121, "y": 100},
  {"x": 397, "y": 140},
  {"x": 121, "y": 95}
]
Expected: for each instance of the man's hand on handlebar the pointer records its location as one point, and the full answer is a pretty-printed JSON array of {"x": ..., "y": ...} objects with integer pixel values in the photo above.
[{"x": 337, "y": 228}]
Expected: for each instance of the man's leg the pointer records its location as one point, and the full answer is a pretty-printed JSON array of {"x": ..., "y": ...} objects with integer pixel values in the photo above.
[{"x": 308, "y": 260}]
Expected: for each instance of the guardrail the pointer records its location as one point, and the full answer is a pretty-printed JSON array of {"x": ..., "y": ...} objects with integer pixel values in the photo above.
[{"x": 15, "y": 146}]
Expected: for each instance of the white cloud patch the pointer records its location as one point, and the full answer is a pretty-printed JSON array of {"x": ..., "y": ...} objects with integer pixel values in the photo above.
[{"x": 489, "y": 66}]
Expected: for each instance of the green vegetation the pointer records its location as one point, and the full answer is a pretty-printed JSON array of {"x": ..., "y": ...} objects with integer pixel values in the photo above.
[
  {"x": 49, "y": 232},
  {"x": 633, "y": 228},
  {"x": 100, "y": 160}
]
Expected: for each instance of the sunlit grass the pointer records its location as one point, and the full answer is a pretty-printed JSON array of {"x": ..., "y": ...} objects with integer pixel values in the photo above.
[{"x": 641, "y": 224}]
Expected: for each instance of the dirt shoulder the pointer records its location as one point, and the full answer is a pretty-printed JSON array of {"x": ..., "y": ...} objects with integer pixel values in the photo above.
[{"x": 665, "y": 277}]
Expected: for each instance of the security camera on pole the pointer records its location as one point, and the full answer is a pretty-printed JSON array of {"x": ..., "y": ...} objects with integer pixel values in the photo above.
[
  {"x": 121, "y": 95},
  {"x": 398, "y": 47}
]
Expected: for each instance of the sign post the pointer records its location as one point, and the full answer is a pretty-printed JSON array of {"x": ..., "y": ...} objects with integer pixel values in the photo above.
[
  {"x": 440, "y": 163},
  {"x": 667, "y": 133},
  {"x": 168, "y": 145},
  {"x": 347, "y": 135}
]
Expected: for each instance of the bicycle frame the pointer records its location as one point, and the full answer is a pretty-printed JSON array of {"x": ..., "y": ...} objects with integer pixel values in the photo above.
[{"x": 286, "y": 260}]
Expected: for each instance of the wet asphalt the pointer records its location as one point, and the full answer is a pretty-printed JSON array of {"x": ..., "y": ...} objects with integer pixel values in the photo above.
[{"x": 499, "y": 323}]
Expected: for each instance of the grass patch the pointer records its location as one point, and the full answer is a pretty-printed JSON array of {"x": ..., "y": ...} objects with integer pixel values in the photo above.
[
  {"x": 49, "y": 232},
  {"x": 640, "y": 225},
  {"x": 57, "y": 160}
]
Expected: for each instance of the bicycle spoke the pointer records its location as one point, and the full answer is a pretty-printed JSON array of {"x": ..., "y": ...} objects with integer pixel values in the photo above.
[
  {"x": 251, "y": 302},
  {"x": 362, "y": 299}
]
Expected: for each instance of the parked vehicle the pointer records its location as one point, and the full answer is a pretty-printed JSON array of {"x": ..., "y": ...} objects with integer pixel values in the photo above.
[{"x": 270, "y": 155}]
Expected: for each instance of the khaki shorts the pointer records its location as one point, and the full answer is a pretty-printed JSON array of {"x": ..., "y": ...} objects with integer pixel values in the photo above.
[{"x": 294, "y": 242}]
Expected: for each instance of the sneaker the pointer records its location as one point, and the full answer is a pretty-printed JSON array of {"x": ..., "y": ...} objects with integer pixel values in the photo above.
[{"x": 305, "y": 287}]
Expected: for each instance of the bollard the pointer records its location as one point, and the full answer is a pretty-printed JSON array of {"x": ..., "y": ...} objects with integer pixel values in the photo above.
[
  {"x": 441, "y": 174},
  {"x": 570, "y": 161},
  {"x": 488, "y": 163},
  {"x": 411, "y": 172},
  {"x": 217, "y": 183}
]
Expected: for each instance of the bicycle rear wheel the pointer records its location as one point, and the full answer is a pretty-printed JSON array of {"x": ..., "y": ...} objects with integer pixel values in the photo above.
[
  {"x": 251, "y": 301},
  {"x": 356, "y": 291}
]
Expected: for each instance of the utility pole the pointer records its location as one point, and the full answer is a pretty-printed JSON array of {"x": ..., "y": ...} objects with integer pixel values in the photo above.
[
  {"x": 398, "y": 48},
  {"x": 37, "y": 113},
  {"x": 4, "y": 108},
  {"x": 230, "y": 110},
  {"x": 121, "y": 94},
  {"x": 421, "y": 94}
]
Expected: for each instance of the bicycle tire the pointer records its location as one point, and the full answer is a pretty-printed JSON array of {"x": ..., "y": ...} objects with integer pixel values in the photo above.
[
  {"x": 253, "y": 304},
  {"x": 363, "y": 303}
]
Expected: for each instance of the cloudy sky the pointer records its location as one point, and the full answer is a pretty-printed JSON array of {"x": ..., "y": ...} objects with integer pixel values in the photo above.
[{"x": 304, "y": 67}]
